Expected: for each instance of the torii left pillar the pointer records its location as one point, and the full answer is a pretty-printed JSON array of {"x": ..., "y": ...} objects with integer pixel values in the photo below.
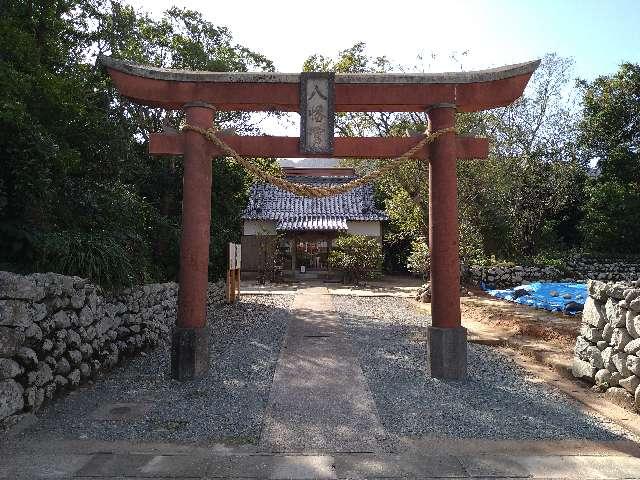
[{"x": 190, "y": 339}]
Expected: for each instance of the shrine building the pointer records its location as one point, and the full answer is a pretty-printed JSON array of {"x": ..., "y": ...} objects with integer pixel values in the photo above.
[{"x": 307, "y": 226}]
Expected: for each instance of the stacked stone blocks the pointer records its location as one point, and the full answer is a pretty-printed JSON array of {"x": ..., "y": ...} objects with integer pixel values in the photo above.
[
  {"x": 574, "y": 269},
  {"x": 607, "y": 351},
  {"x": 58, "y": 331}
]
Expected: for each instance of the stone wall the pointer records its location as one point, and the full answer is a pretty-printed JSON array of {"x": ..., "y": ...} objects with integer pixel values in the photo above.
[
  {"x": 575, "y": 269},
  {"x": 603, "y": 269},
  {"x": 507, "y": 276},
  {"x": 607, "y": 352},
  {"x": 58, "y": 331}
]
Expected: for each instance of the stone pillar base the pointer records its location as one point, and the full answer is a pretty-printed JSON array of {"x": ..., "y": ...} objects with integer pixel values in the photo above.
[
  {"x": 189, "y": 353},
  {"x": 448, "y": 352}
]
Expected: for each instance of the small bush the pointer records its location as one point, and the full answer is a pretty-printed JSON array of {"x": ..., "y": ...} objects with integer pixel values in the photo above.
[
  {"x": 99, "y": 258},
  {"x": 492, "y": 261},
  {"x": 470, "y": 244},
  {"x": 359, "y": 257},
  {"x": 419, "y": 260}
]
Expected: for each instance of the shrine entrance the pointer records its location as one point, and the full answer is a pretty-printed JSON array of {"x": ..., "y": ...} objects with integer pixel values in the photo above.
[
  {"x": 312, "y": 252},
  {"x": 317, "y": 97}
]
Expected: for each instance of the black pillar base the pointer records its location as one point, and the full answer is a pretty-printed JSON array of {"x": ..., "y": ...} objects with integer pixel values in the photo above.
[
  {"x": 448, "y": 352},
  {"x": 189, "y": 353}
]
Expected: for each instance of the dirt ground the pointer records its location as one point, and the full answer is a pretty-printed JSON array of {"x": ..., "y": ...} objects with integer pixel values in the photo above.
[{"x": 520, "y": 320}]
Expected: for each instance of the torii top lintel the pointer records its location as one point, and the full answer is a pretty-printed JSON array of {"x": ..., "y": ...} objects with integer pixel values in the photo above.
[{"x": 266, "y": 91}]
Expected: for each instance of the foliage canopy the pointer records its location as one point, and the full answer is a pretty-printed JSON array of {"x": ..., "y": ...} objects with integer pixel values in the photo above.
[{"x": 74, "y": 172}]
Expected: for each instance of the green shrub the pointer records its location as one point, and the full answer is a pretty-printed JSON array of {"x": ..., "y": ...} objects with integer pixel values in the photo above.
[
  {"x": 419, "y": 260},
  {"x": 357, "y": 256},
  {"x": 96, "y": 257},
  {"x": 611, "y": 221},
  {"x": 470, "y": 244},
  {"x": 492, "y": 261},
  {"x": 549, "y": 259}
]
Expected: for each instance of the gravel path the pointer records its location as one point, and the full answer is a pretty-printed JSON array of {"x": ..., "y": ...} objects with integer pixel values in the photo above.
[
  {"x": 498, "y": 401},
  {"x": 226, "y": 406}
]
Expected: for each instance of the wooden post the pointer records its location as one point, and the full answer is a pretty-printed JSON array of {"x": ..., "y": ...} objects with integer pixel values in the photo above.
[
  {"x": 233, "y": 272},
  {"x": 294, "y": 251},
  {"x": 236, "y": 283}
]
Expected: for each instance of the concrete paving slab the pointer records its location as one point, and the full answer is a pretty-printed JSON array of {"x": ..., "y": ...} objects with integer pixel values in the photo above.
[
  {"x": 150, "y": 466},
  {"x": 365, "y": 466},
  {"x": 441, "y": 466},
  {"x": 108, "y": 464},
  {"x": 400, "y": 466},
  {"x": 494, "y": 466},
  {"x": 175, "y": 466},
  {"x": 581, "y": 467},
  {"x": 320, "y": 400},
  {"x": 178, "y": 466},
  {"x": 253, "y": 466},
  {"x": 470, "y": 447},
  {"x": 18, "y": 467},
  {"x": 303, "y": 467}
]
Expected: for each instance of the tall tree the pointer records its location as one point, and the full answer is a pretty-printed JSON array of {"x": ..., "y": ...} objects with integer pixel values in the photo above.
[
  {"x": 74, "y": 173},
  {"x": 610, "y": 127},
  {"x": 523, "y": 195},
  {"x": 610, "y": 134}
]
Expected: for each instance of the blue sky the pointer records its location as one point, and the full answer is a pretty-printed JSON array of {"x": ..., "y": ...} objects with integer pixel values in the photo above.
[{"x": 597, "y": 34}]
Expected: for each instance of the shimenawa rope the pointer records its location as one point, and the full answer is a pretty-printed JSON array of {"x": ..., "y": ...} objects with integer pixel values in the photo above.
[{"x": 309, "y": 190}]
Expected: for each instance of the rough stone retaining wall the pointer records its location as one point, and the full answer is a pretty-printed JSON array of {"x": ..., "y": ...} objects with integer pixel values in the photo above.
[
  {"x": 607, "y": 352},
  {"x": 58, "y": 331},
  {"x": 575, "y": 269},
  {"x": 603, "y": 269},
  {"x": 505, "y": 277}
]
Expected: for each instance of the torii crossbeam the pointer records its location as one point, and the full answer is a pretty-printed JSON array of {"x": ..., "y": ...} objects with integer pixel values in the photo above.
[{"x": 317, "y": 96}]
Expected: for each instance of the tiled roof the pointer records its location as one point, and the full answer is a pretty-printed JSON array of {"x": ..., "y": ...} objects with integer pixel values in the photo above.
[
  {"x": 292, "y": 212},
  {"x": 312, "y": 222}
]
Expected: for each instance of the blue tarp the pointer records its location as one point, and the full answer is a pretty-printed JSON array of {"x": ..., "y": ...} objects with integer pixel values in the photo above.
[{"x": 556, "y": 297}]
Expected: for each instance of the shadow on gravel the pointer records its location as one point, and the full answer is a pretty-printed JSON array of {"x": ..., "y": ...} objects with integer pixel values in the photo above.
[
  {"x": 497, "y": 401},
  {"x": 139, "y": 401}
]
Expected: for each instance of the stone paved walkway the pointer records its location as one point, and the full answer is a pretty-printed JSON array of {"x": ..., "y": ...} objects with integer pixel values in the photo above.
[
  {"x": 320, "y": 400},
  {"x": 421, "y": 459}
]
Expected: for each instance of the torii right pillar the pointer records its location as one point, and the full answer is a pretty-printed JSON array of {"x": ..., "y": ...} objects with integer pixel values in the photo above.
[{"x": 447, "y": 337}]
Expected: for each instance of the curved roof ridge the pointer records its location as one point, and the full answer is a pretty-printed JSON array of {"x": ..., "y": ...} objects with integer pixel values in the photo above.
[{"x": 148, "y": 71}]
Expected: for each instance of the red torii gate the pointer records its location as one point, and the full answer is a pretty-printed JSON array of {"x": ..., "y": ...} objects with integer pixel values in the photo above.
[{"x": 200, "y": 94}]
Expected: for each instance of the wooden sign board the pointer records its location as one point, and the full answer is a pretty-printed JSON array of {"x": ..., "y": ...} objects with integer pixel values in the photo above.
[{"x": 233, "y": 272}]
